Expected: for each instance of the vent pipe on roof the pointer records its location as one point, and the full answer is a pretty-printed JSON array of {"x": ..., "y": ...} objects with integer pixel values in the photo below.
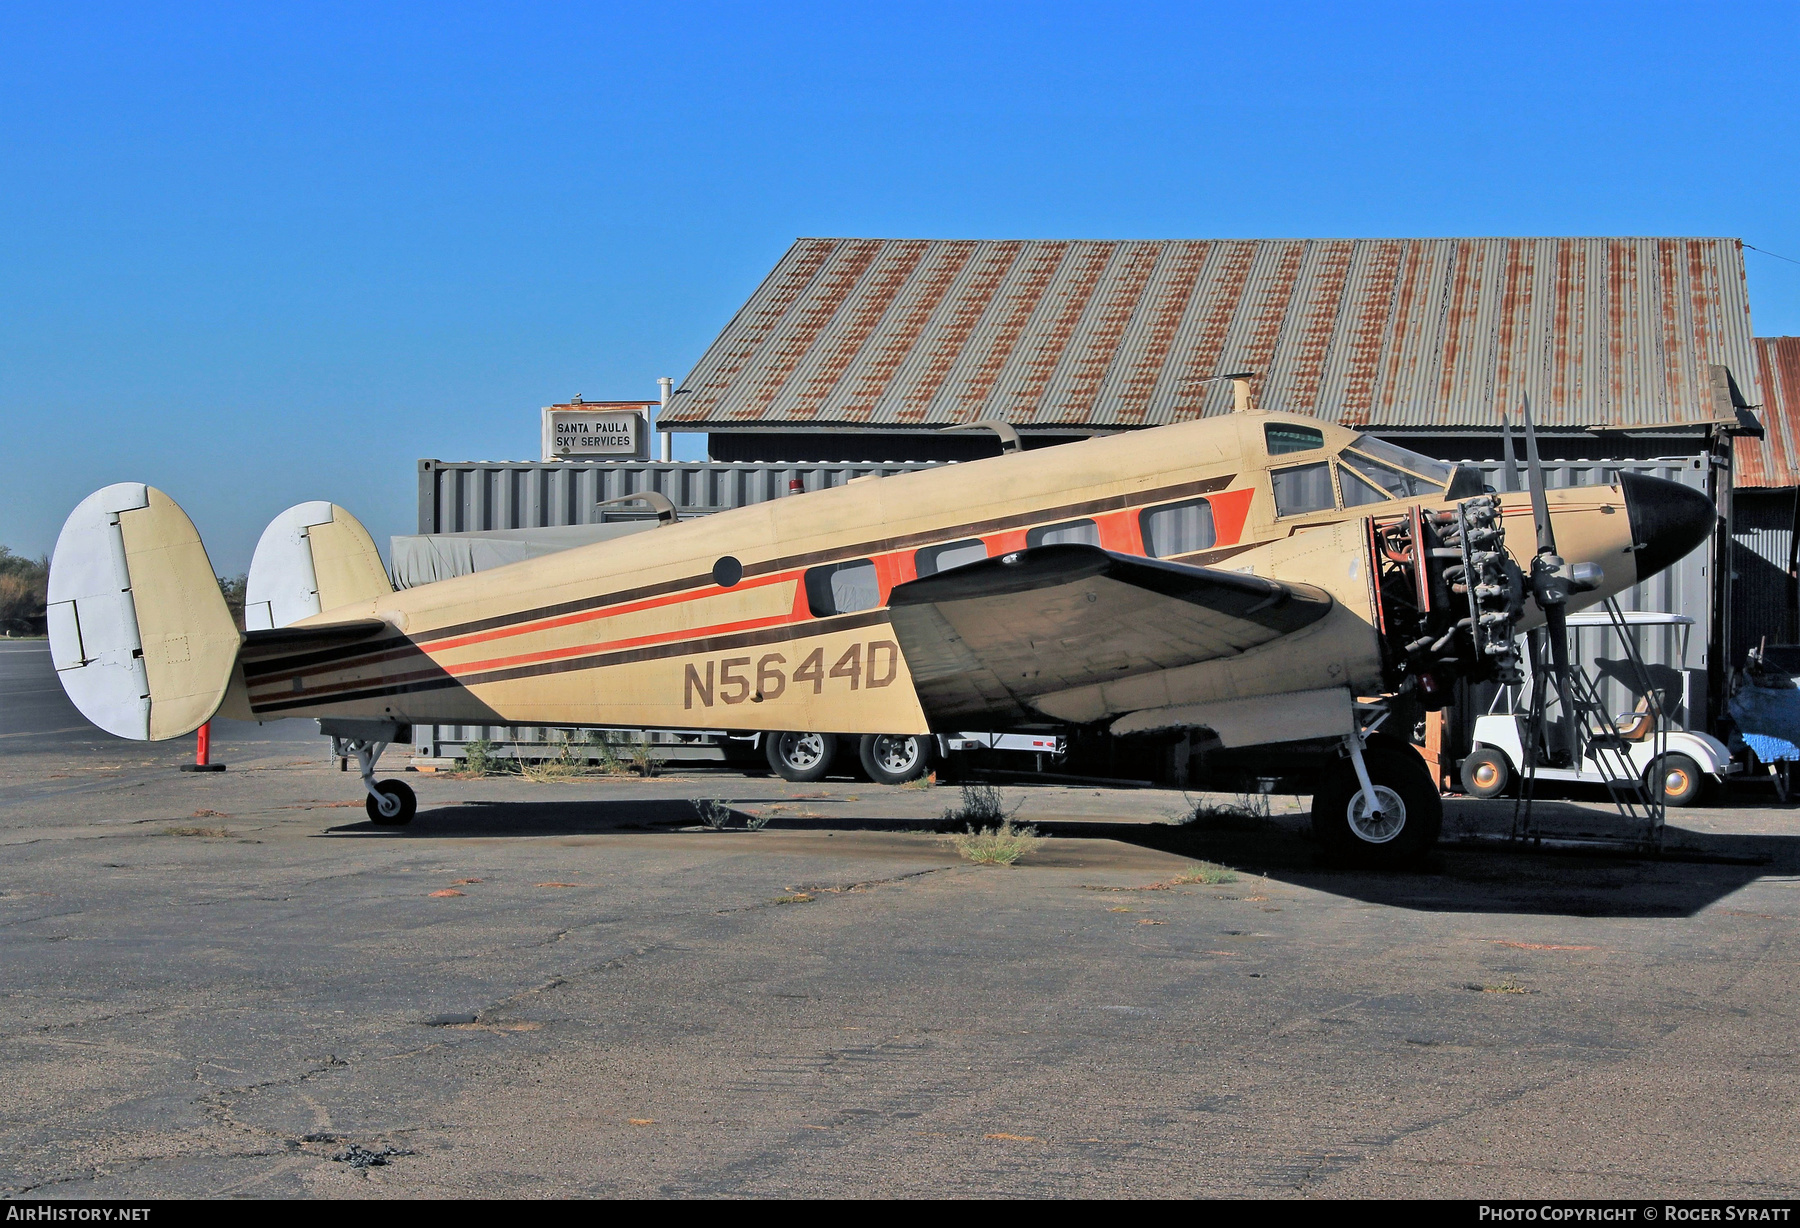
[{"x": 665, "y": 442}]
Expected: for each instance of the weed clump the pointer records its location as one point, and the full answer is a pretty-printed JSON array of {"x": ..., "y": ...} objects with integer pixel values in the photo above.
[
  {"x": 1243, "y": 812},
  {"x": 980, "y": 804},
  {"x": 716, "y": 814},
  {"x": 927, "y": 781},
  {"x": 996, "y": 846},
  {"x": 1210, "y": 873},
  {"x": 479, "y": 758},
  {"x": 646, "y": 761}
]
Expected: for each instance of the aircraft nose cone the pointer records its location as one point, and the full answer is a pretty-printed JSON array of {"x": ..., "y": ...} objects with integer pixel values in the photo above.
[{"x": 1667, "y": 520}]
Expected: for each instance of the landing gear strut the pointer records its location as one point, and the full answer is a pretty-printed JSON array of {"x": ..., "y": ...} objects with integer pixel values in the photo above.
[{"x": 391, "y": 803}]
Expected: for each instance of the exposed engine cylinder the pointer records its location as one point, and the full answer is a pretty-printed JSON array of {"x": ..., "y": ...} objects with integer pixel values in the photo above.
[{"x": 1448, "y": 598}]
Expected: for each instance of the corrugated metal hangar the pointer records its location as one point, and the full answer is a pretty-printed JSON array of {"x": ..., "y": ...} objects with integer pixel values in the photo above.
[{"x": 854, "y": 355}]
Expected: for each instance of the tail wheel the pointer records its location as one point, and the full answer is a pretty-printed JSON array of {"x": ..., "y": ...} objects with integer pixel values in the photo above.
[
  {"x": 1410, "y": 814},
  {"x": 1681, "y": 779},
  {"x": 1486, "y": 773},
  {"x": 895, "y": 758},
  {"x": 801, "y": 757},
  {"x": 400, "y": 792}
]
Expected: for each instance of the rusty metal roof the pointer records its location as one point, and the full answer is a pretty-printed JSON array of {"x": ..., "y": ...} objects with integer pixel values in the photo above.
[
  {"x": 890, "y": 333},
  {"x": 1773, "y": 460}
]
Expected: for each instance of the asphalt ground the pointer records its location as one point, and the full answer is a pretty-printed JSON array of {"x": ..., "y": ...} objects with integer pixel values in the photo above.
[{"x": 215, "y": 984}]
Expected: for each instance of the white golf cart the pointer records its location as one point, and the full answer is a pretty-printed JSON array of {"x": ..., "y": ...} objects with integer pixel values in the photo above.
[{"x": 1612, "y": 750}]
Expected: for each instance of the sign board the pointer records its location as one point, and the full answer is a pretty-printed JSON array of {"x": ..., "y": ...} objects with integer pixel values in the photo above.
[{"x": 594, "y": 432}]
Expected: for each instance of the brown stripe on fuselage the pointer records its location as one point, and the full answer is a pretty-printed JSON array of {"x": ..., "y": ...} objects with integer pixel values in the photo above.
[{"x": 413, "y": 682}]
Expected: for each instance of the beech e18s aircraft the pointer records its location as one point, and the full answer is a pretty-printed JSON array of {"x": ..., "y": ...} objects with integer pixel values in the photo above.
[{"x": 1265, "y": 577}]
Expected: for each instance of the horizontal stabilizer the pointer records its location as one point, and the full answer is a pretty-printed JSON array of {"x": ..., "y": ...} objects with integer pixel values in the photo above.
[
  {"x": 985, "y": 641},
  {"x": 139, "y": 633}
]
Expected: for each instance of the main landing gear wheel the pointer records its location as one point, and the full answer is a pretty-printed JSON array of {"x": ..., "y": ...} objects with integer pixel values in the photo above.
[
  {"x": 1486, "y": 773},
  {"x": 1681, "y": 779},
  {"x": 1410, "y": 814},
  {"x": 406, "y": 804},
  {"x": 801, "y": 758},
  {"x": 895, "y": 758}
]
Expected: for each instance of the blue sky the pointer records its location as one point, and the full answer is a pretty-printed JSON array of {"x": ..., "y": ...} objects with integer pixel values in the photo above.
[{"x": 257, "y": 254}]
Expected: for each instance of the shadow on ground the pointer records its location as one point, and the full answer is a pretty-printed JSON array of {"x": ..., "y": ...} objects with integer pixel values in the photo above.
[{"x": 1462, "y": 875}]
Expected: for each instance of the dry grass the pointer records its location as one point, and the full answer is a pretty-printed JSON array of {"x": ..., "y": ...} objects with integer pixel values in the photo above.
[
  {"x": 1210, "y": 873},
  {"x": 217, "y": 833},
  {"x": 927, "y": 781},
  {"x": 1246, "y": 810},
  {"x": 996, "y": 846},
  {"x": 981, "y": 804}
]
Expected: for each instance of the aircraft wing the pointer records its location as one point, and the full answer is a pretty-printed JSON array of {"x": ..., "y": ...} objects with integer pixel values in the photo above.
[{"x": 984, "y": 640}]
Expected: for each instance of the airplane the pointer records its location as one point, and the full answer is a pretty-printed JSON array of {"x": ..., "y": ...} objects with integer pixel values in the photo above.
[{"x": 1261, "y": 578}]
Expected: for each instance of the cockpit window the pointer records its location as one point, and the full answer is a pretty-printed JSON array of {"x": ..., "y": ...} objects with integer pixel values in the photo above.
[
  {"x": 1436, "y": 472},
  {"x": 1397, "y": 484},
  {"x": 1358, "y": 491},
  {"x": 1283, "y": 438}
]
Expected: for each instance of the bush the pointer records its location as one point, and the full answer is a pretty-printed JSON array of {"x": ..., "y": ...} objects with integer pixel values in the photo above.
[
  {"x": 996, "y": 846},
  {"x": 24, "y": 584},
  {"x": 479, "y": 758},
  {"x": 980, "y": 804}
]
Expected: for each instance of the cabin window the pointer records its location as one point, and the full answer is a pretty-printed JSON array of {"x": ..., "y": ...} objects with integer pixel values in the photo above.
[
  {"x": 1397, "y": 484},
  {"x": 1069, "y": 532},
  {"x": 842, "y": 588},
  {"x": 933, "y": 559},
  {"x": 1357, "y": 491},
  {"x": 1282, "y": 438},
  {"x": 1177, "y": 528},
  {"x": 1302, "y": 489}
]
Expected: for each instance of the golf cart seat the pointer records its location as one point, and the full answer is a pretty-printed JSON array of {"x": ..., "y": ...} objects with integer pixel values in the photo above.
[{"x": 1633, "y": 726}]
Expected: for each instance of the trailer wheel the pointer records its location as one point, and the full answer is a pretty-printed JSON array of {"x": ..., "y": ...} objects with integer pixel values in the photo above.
[
  {"x": 1486, "y": 773},
  {"x": 801, "y": 758},
  {"x": 895, "y": 758},
  {"x": 1411, "y": 813},
  {"x": 1680, "y": 777}
]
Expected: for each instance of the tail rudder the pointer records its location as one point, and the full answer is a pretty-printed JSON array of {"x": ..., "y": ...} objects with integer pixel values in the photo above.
[
  {"x": 140, "y": 634},
  {"x": 312, "y": 558}
]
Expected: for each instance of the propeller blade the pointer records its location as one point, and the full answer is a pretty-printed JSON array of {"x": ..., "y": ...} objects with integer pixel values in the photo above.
[
  {"x": 1557, "y": 618},
  {"x": 1540, "y": 503},
  {"x": 1509, "y": 476}
]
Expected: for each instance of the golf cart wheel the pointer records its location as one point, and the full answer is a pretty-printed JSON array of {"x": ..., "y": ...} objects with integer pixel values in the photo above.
[
  {"x": 895, "y": 758},
  {"x": 801, "y": 758},
  {"x": 1681, "y": 779},
  {"x": 1486, "y": 773},
  {"x": 1410, "y": 812},
  {"x": 401, "y": 792}
]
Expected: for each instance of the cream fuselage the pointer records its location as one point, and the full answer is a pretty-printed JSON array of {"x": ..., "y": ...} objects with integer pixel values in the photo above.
[{"x": 643, "y": 632}]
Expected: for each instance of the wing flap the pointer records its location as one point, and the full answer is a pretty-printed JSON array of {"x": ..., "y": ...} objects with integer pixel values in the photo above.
[{"x": 983, "y": 641}]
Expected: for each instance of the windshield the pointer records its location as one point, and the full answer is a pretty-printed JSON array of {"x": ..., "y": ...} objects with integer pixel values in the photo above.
[{"x": 1435, "y": 470}]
